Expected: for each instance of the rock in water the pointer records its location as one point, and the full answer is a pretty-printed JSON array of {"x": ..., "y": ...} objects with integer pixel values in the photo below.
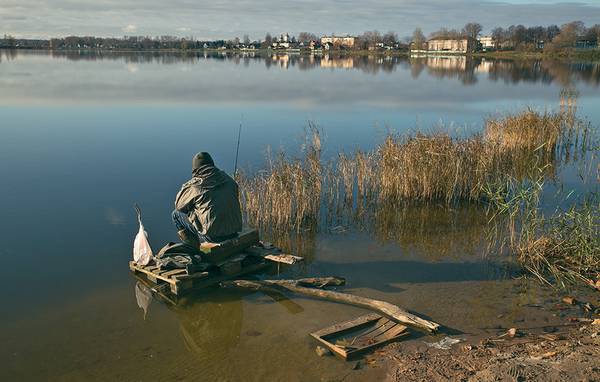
[{"x": 321, "y": 351}]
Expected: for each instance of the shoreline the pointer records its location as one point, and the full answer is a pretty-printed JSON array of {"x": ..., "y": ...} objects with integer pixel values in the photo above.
[{"x": 588, "y": 55}]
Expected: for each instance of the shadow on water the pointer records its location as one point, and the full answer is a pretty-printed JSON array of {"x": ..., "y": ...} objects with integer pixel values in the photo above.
[{"x": 385, "y": 275}]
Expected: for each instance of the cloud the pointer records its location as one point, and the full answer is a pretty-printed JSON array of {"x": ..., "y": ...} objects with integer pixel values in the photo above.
[
  {"x": 230, "y": 18},
  {"x": 130, "y": 28}
]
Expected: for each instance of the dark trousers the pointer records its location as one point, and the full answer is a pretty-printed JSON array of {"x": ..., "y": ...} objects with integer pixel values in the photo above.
[{"x": 182, "y": 223}]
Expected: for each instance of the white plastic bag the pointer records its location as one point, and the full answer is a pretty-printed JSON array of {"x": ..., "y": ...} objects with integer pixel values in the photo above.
[{"x": 142, "y": 253}]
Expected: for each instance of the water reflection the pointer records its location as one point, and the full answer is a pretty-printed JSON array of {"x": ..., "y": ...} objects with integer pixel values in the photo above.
[{"x": 466, "y": 69}]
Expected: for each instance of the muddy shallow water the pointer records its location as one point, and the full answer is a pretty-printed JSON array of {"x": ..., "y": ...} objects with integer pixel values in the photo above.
[
  {"x": 239, "y": 335},
  {"x": 235, "y": 335},
  {"x": 84, "y": 136}
]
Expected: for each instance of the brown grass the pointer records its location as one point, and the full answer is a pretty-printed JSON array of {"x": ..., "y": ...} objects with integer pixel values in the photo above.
[{"x": 421, "y": 168}]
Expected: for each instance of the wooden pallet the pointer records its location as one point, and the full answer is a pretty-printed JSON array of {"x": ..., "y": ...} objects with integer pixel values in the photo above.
[
  {"x": 350, "y": 339},
  {"x": 180, "y": 282}
]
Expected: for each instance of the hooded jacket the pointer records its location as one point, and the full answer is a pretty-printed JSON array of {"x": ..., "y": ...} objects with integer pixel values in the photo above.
[{"x": 211, "y": 201}]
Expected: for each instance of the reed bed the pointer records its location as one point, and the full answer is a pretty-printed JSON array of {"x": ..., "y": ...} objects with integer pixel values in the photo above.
[
  {"x": 503, "y": 168},
  {"x": 566, "y": 247},
  {"x": 298, "y": 193},
  {"x": 561, "y": 248},
  {"x": 288, "y": 193}
]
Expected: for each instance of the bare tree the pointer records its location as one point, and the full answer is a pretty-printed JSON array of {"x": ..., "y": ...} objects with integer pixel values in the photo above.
[
  {"x": 499, "y": 36},
  {"x": 472, "y": 30},
  {"x": 390, "y": 38},
  {"x": 369, "y": 38},
  {"x": 445, "y": 33},
  {"x": 246, "y": 40},
  {"x": 569, "y": 33},
  {"x": 593, "y": 33},
  {"x": 307, "y": 37},
  {"x": 418, "y": 38},
  {"x": 268, "y": 39}
]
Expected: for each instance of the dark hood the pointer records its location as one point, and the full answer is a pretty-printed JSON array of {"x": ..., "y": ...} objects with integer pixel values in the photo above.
[{"x": 208, "y": 176}]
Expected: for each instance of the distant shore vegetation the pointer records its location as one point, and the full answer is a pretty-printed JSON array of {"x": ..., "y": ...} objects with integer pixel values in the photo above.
[{"x": 570, "y": 39}]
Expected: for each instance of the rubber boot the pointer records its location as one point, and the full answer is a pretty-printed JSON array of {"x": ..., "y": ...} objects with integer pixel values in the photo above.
[{"x": 187, "y": 238}]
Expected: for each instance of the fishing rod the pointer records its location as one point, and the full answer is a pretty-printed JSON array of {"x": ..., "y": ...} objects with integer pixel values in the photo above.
[{"x": 237, "y": 151}]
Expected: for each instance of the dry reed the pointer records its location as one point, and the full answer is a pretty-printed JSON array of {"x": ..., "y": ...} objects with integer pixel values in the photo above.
[{"x": 297, "y": 193}]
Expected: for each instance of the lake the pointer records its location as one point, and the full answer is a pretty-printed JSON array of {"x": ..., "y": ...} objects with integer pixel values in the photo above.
[{"x": 84, "y": 135}]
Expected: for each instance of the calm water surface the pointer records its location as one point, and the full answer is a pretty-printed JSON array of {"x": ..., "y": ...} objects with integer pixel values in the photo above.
[{"x": 83, "y": 136}]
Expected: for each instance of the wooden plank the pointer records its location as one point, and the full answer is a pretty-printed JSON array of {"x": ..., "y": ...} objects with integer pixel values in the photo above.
[
  {"x": 185, "y": 276},
  {"x": 352, "y": 354},
  {"x": 218, "y": 252},
  {"x": 151, "y": 276},
  {"x": 160, "y": 272},
  {"x": 393, "y": 332},
  {"x": 285, "y": 259},
  {"x": 385, "y": 331},
  {"x": 174, "y": 272},
  {"x": 216, "y": 279},
  {"x": 338, "y": 351},
  {"x": 379, "y": 324},
  {"x": 343, "y": 327},
  {"x": 380, "y": 329},
  {"x": 181, "y": 282}
]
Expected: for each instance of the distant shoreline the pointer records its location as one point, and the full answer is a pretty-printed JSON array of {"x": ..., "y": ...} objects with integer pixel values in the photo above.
[{"x": 591, "y": 54}]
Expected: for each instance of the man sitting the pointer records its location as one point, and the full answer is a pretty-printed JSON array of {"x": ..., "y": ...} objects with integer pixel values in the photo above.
[{"x": 207, "y": 208}]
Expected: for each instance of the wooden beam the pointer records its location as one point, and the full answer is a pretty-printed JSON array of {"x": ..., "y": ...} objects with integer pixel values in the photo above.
[{"x": 392, "y": 311}]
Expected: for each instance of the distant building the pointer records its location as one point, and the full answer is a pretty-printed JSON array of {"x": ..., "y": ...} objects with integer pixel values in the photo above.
[
  {"x": 451, "y": 45},
  {"x": 282, "y": 42},
  {"x": 487, "y": 42},
  {"x": 586, "y": 44},
  {"x": 346, "y": 41}
]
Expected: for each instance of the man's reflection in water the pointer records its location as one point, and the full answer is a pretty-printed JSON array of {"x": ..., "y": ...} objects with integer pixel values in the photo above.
[{"x": 210, "y": 323}]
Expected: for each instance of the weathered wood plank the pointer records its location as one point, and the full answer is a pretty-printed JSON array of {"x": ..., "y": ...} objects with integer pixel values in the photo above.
[
  {"x": 151, "y": 276},
  {"x": 363, "y": 342},
  {"x": 184, "y": 283},
  {"x": 348, "y": 325},
  {"x": 352, "y": 354},
  {"x": 285, "y": 259},
  {"x": 217, "y": 252},
  {"x": 174, "y": 272}
]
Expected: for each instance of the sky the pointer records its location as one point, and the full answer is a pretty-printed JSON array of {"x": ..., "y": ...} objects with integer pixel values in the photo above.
[{"x": 234, "y": 18}]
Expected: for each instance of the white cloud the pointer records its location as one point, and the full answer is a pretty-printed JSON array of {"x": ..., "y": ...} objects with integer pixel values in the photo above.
[
  {"x": 231, "y": 18},
  {"x": 130, "y": 28}
]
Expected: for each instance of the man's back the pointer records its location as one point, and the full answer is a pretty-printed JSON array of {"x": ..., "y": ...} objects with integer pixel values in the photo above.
[{"x": 211, "y": 201}]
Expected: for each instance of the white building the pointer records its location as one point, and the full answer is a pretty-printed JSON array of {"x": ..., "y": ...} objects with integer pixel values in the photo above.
[{"x": 487, "y": 42}]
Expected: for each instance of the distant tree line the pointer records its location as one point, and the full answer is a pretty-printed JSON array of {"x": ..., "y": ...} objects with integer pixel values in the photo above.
[{"x": 518, "y": 37}]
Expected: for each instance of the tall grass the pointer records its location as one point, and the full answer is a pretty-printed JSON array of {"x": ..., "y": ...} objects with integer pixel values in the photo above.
[
  {"x": 385, "y": 189},
  {"x": 299, "y": 192},
  {"x": 288, "y": 193},
  {"x": 562, "y": 248}
]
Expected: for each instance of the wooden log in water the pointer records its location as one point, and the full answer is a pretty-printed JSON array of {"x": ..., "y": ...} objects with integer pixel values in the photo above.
[{"x": 392, "y": 311}]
